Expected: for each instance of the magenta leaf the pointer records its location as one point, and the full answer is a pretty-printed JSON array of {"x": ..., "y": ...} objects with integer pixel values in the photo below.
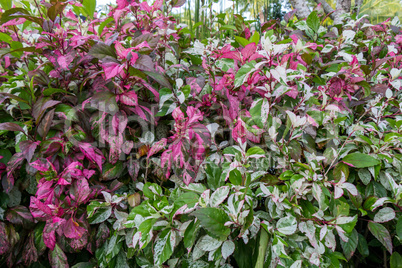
[
  {"x": 92, "y": 153},
  {"x": 72, "y": 229}
]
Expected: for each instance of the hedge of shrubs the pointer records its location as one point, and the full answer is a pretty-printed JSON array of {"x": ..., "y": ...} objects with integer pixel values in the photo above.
[{"x": 125, "y": 142}]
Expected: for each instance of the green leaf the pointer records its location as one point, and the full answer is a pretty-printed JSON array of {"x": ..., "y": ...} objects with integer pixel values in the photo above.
[
  {"x": 359, "y": 160},
  {"x": 6, "y": 4},
  {"x": 101, "y": 51},
  {"x": 58, "y": 258},
  {"x": 364, "y": 175},
  {"x": 227, "y": 27},
  {"x": 55, "y": 10},
  {"x": 213, "y": 220},
  {"x": 399, "y": 228},
  {"x": 349, "y": 247},
  {"x": 112, "y": 171},
  {"x": 396, "y": 260},
  {"x": 101, "y": 215},
  {"x": 287, "y": 225},
  {"x": 242, "y": 41},
  {"x": 362, "y": 246},
  {"x": 152, "y": 190},
  {"x": 255, "y": 38},
  {"x": 382, "y": 234},
  {"x": 191, "y": 234},
  {"x": 89, "y": 7},
  {"x": 163, "y": 248},
  {"x": 235, "y": 177},
  {"x": 213, "y": 173},
  {"x": 5, "y": 38},
  {"x": 49, "y": 91},
  {"x": 255, "y": 151},
  {"x": 242, "y": 73},
  {"x": 313, "y": 21},
  {"x": 84, "y": 265},
  {"x": 103, "y": 25}
]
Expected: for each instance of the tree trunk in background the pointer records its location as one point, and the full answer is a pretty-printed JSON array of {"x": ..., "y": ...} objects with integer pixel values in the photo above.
[
  {"x": 342, "y": 6},
  {"x": 302, "y": 10}
]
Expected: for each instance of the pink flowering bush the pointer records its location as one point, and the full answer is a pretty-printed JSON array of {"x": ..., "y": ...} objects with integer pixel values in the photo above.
[{"x": 125, "y": 142}]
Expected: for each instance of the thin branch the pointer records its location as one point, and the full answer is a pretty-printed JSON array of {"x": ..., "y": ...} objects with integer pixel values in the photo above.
[{"x": 327, "y": 8}]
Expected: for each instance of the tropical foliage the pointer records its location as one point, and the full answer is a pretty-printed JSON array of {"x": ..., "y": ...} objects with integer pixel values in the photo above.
[{"x": 126, "y": 142}]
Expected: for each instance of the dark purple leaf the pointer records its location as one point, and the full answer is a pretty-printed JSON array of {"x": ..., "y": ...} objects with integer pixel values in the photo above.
[
  {"x": 160, "y": 78},
  {"x": 144, "y": 63},
  {"x": 40, "y": 107},
  {"x": 55, "y": 10},
  {"x": 19, "y": 215},
  {"x": 179, "y": 3},
  {"x": 5, "y": 96},
  {"x": 11, "y": 127},
  {"x": 14, "y": 163},
  {"x": 45, "y": 124},
  {"x": 289, "y": 15}
]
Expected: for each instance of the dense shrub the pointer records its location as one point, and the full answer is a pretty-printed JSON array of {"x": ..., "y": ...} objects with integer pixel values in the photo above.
[{"x": 127, "y": 143}]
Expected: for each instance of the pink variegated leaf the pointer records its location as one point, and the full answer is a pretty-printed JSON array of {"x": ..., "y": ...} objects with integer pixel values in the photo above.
[
  {"x": 156, "y": 147},
  {"x": 235, "y": 55},
  {"x": 119, "y": 122},
  {"x": 157, "y": 4},
  {"x": 194, "y": 115},
  {"x": 145, "y": 7},
  {"x": 120, "y": 50},
  {"x": 112, "y": 69},
  {"x": 127, "y": 146},
  {"x": 248, "y": 50},
  {"x": 129, "y": 98},
  {"x": 45, "y": 189},
  {"x": 49, "y": 232},
  {"x": 39, "y": 210},
  {"x": 88, "y": 173},
  {"x": 65, "y": 60},
  {"x": 178, "y": 114},
  {"x": 14, "y": 22},
  {"x": 115, "y": 143},
  {"x": 28, "y": 149},
  {"x": 140, "y": 46},
  {"x": 80, "y": 191},
  {"x": 187, "y": 179}
]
